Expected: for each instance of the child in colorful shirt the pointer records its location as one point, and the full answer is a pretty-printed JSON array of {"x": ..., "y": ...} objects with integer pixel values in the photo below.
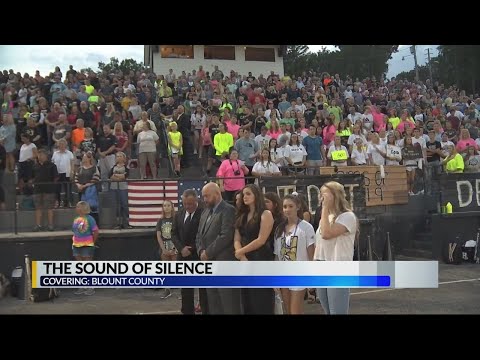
[{"x": 85, "y": 234}]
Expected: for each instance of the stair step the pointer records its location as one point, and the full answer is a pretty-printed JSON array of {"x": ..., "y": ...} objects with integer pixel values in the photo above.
[
  {"x": 417, "y": 253},
  {"x": 423, "y": 237},
  {"x": 423, "y": 245}
]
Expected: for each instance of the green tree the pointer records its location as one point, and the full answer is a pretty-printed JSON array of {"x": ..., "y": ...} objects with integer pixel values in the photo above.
[
  {"x": 126, "y": 65},
  {"x": 355, "y": 60},
  {"x": 296, "y": 58},
  {"x": 86, "y": 70}
]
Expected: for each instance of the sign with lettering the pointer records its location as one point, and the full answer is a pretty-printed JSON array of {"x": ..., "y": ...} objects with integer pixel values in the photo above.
[
  {"x": 461, "y": 190},
  {"x": 412, "y": 153},
  {"x": 389, "y": 188},
  {"x": 309, "y": 187}
]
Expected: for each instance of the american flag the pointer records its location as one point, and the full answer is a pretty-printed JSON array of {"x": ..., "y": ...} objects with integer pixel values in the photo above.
[{"x": 145, "y": 199}]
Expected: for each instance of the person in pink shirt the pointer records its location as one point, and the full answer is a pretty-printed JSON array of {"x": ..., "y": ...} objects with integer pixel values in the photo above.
[
  {"x": 328, "y": 132},
  {"x": 405, "y": 122},
  {"x": 274, "y": 132},
  {"x": 231, "y": 176},
  {"x": 465, "y": 141},
  {"x": 232, "y": 126},
  {"x": 378, "y": 119}
]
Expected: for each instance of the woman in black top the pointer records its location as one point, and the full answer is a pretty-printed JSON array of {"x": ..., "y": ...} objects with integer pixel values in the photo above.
[
  {"x": 253, "y": 227},
  {"x": 274, "y": 204}
]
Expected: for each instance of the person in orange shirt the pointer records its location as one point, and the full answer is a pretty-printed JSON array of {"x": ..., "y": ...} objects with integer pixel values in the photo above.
[{"x": 78, "y": 134}]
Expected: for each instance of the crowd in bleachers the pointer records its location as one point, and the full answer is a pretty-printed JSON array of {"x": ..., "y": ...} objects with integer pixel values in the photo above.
[{"x": 84, "y": 120}]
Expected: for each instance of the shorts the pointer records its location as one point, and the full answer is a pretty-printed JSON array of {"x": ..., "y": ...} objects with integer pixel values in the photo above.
[
  {"x": 297, "y": 289},
  {"x": 44, "y": 200},
  {"x": 410, "y": 168},
  {"x": 210, "y": 151},
  {"x": 25, "y": 170},
  {"x": 83, "y": 251}
]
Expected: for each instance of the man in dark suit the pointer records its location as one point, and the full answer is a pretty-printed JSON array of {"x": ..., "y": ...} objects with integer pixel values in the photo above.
[
  {"x": 184, "y": 233},
  {"x": 215, "y": 242}
]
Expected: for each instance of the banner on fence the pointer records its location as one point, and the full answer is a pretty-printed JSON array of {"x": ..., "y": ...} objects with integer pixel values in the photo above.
[{"x": 388, "y": 190}]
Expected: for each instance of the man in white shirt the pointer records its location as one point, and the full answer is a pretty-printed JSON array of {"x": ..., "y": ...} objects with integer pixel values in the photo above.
[
  {"x": 417, "y": 138},
  {"x": 64, "y": 160},
  {"x": 262, "y": 139}
]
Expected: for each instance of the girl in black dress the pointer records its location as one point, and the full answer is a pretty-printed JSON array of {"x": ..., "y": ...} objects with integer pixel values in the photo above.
[{"x": 253, "y": 227}]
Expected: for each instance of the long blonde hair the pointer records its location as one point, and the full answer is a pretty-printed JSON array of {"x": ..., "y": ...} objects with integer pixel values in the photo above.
[{"x": 340, "y": 202}]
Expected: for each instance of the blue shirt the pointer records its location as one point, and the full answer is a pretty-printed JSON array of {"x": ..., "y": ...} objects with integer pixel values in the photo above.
[{"x": 312, "y": 146}]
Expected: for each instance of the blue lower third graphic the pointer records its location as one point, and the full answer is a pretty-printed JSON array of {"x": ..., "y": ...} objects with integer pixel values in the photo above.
[{"x": 216, "y": 281}]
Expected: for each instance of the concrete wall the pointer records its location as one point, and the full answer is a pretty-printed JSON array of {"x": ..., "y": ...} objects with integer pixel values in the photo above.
[
  {"x": 121, "y": 246},
  {"x": 162, "y": 65}
]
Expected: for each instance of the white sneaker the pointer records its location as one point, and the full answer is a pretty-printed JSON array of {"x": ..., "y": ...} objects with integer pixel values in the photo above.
[
  {"x": 80, "y": 291},
  {"x": 166, "y": 294}
]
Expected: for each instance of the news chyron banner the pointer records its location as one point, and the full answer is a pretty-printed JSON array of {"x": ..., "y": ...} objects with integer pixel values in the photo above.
[{"x": 235, "y": 274}]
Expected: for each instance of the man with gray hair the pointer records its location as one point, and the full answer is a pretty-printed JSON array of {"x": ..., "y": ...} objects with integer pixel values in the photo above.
[
  {"x": 184, "y": 233},
  {"x": 215, "y": 243}
]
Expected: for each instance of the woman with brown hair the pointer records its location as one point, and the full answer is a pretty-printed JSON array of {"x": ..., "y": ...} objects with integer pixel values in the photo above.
[
  {"x": 294, "y": 241},
  {"x": 411, "y": 157},
  {"x": 88, "y": 175},
  {"x": 335, "y": 241},
  {"x": 472, "y": 160},
  {"x": 253, "y": 227}
]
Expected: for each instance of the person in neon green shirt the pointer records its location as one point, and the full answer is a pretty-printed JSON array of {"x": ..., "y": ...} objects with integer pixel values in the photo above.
[
  {"x": 225, "y": 104},
  {"x": 393, "y": 118},
  {"x": 175, "y": 142},
  {"x": 335, "y": 110},
  {"x": 223, "y": 141},
  {"x": 88, "y": 87},
  {"x": 93, "y": 98},
  {"x": 287, "y": 119},
  {"x": 454, "y": 163}
]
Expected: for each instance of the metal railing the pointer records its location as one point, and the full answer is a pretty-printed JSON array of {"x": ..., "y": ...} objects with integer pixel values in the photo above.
[{"x": 19, "y": 207}]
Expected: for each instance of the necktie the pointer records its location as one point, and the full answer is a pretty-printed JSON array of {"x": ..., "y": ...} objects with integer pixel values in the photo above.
[
  {"x": 208, "y": 219},
  {"x": 188, "y": 220}
]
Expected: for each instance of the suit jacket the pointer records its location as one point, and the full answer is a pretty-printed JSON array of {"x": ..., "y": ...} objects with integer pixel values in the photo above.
[
  {"x": 185, "y": 235},
  {"x": 216, "y": 237}
]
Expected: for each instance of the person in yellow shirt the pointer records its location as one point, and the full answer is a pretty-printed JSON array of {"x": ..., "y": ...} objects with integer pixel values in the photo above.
[
  {"x": 88, "y": 87},
  {"x": 165, "y": 91},
  {"x": 127, "y": 100},
  {"x": 393, "y": 118},
  {"x": 175, "y": 142},
  {"x": 453, "y": 163},
  {"x": 222, "y": 142}
]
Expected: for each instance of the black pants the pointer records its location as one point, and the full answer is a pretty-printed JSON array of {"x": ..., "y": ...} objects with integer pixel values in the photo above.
[
  {"x": 2, "y": 191},
  {"x": 258, "y": 301},
  {"x": 64, "y": 185},
  {"x": 188, "y": 295},
  {"x": 251, "y": 179},
  {"x": 228, "y": 196}
]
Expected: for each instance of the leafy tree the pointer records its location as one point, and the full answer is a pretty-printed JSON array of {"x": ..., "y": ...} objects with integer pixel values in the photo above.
[
  {"x": 126, "y": 65},
  {"x": 355, "y": 60},
  {"x": 86, "y": 70}
]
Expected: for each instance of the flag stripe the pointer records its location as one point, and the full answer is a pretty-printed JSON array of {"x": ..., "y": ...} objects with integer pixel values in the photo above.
[{"x": 145, "y": 200}]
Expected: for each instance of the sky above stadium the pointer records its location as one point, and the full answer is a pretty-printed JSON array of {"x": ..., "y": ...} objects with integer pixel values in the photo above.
[{"x": 28, "y": 58}]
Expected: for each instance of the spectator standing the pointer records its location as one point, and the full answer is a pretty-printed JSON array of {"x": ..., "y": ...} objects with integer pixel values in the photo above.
[
  {"x": 85, "y": 235},
  {"x": 118, "y": 176},
  {"x": 253, "y": 227},
  {"x": 64, "y": 161},
  {"x": 106, "y": 145},
  {"x": 44, "y": 177}
]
